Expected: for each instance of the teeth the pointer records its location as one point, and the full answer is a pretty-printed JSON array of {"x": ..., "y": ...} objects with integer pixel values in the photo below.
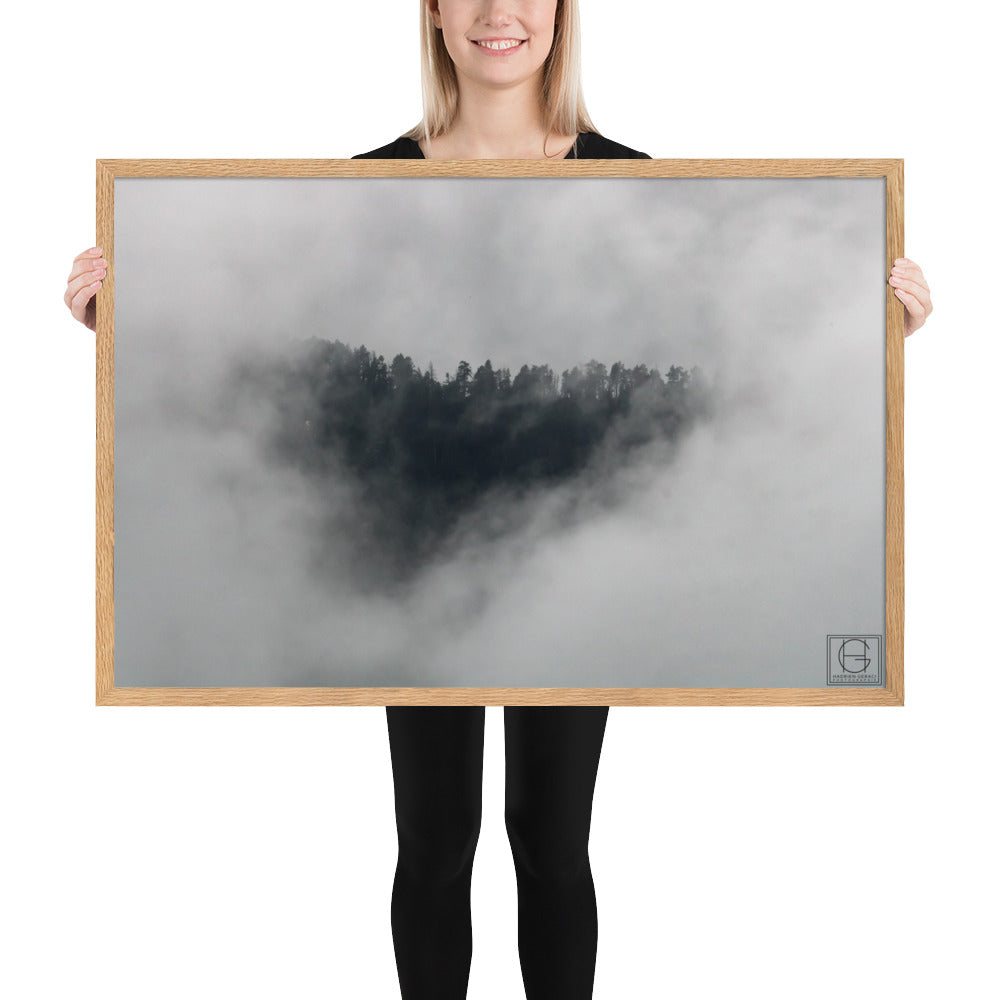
[{"x": 499, "y": 45}]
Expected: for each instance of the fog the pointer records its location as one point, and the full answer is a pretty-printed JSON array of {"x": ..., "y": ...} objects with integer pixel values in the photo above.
[{"x": 723, "y": 560}]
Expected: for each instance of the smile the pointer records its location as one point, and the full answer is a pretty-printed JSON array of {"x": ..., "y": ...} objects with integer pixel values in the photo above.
[{"x": 502, "y": 46}]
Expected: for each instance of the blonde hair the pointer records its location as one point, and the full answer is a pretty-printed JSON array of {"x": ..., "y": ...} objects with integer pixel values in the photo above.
[{"x": 562, "y": 92}]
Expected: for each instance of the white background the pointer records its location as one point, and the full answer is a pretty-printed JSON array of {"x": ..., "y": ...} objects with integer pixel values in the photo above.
[{"x": 159, "y": 852}]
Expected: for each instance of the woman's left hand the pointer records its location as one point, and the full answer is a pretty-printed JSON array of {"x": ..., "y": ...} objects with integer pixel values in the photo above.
[{"x": 911, "y": 289}]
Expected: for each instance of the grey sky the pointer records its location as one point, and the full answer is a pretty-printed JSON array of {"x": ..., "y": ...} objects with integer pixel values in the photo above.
[{"x": 725, "y": 566}]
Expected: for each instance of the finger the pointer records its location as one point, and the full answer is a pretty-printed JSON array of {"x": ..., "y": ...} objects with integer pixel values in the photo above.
[
  {"x": 913, "y": 305},
  {"x": 919, "y": 295},
  {"x": 92, "y": 252},
  {"x": 911, "y": 286},
  {"x": 82, "y": 281},
  {"x": 85, "y": 265},
  {"x": 78, "y": 303},
  {"x": 910, "y": 271}
]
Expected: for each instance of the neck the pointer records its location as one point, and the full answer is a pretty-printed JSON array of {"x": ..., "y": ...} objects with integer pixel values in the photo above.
[{"x": 497, "y": 122}]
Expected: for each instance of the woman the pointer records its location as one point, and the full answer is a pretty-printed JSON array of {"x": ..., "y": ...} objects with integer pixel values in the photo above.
[{"x": 501, "y": 79}]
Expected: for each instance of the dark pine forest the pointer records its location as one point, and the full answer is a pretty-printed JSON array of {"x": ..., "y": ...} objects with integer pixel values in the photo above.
[{"x": 423, "y": 452}]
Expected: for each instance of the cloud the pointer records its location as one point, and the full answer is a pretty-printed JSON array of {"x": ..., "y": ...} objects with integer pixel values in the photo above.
[{"x": 725, "y": 561}]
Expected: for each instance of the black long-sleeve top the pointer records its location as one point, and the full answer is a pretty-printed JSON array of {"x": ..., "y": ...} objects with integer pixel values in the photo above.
[{"x": 588, "y": 146}]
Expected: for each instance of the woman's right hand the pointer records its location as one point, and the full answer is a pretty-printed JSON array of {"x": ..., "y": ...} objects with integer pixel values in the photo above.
[{"x": 85, "y": 277}]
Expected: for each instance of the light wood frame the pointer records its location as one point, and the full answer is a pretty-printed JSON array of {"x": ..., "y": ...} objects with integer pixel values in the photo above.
[{"x": 107, "y": 693}]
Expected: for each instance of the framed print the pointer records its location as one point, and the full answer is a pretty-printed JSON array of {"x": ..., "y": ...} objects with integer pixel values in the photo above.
[{"x": 500, "y": 432}]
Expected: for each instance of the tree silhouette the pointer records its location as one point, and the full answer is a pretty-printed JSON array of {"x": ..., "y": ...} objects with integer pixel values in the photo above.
[{"x": 421, "y": 453}]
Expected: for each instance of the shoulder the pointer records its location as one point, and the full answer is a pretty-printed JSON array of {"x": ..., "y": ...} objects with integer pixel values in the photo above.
[
  {"x": 592, "y": 146},
  {"x": 399, "y": 149}
]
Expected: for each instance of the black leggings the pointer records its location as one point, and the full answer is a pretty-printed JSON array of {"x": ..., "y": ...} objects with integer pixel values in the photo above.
[{"x": 552, "y": 753}]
